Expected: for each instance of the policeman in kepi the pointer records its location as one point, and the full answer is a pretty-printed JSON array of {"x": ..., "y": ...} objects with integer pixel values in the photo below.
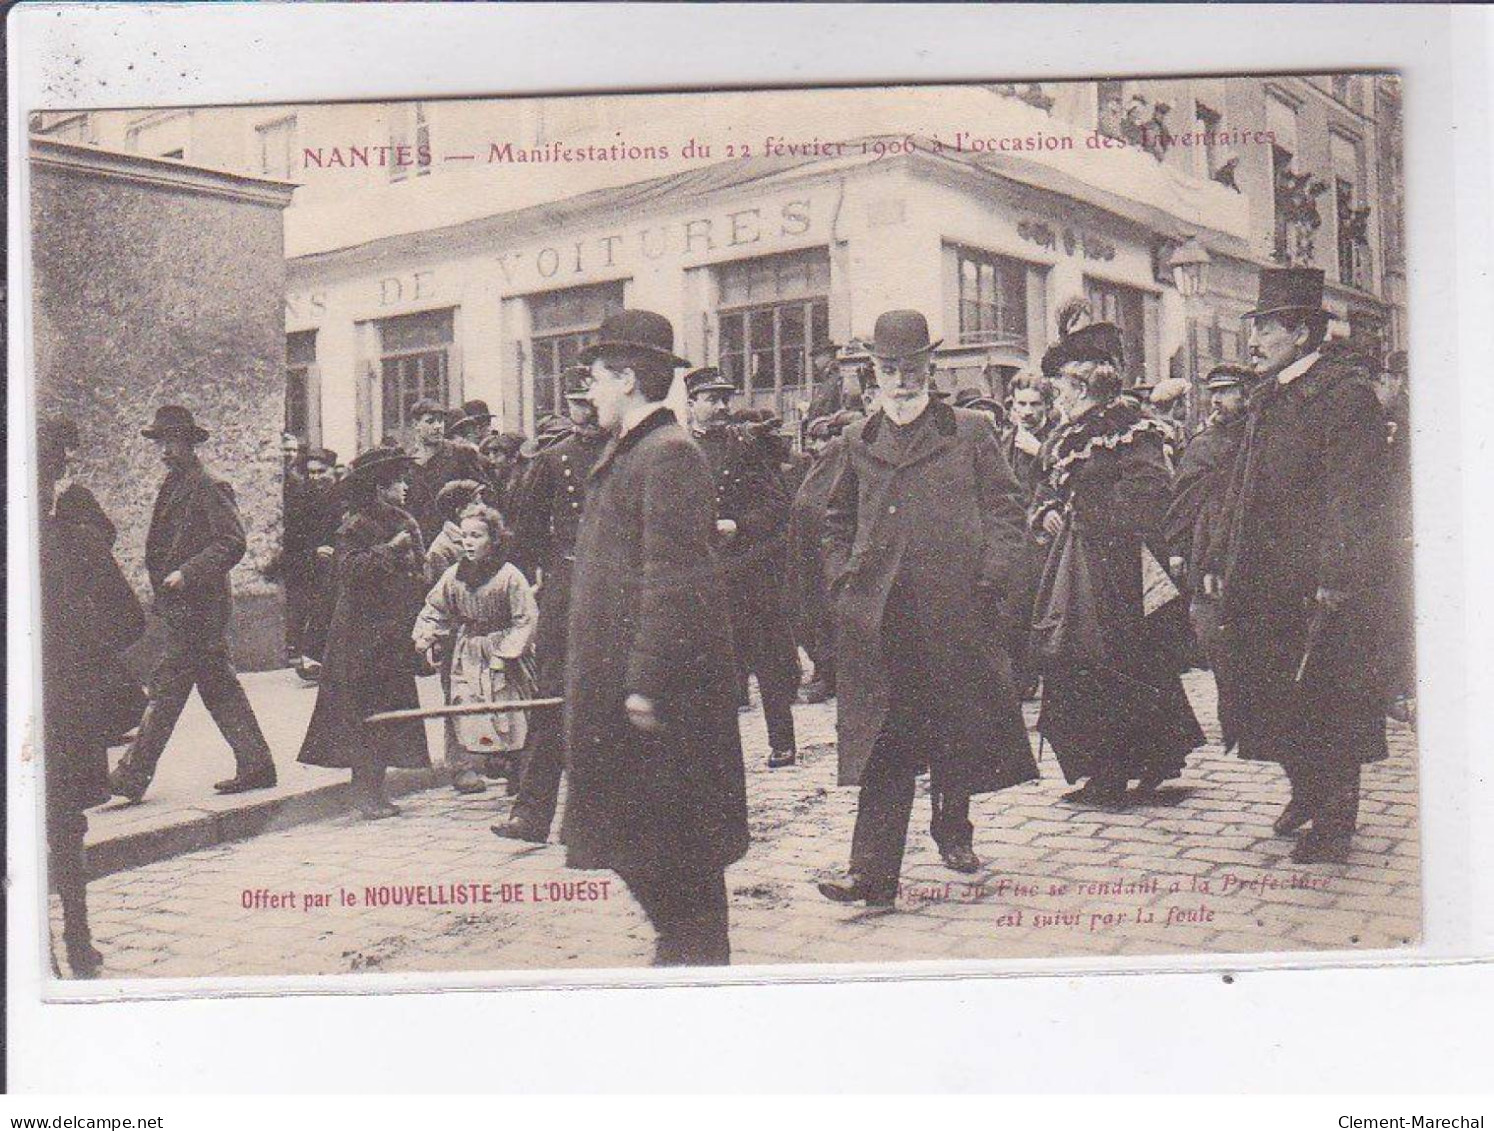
[
  {"x": 752, "y": 514},
  {"x": 546, "y": 517}
]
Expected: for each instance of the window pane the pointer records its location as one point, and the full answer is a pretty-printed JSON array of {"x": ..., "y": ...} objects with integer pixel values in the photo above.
[
  {"x": 761, "y": 325},
  {"x": 409, "y": 332},
  {"x": 791, "y": 345}
]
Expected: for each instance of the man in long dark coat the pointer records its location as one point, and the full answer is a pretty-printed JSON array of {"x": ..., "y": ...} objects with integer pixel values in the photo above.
[
  {"x": 1195, "y": 523},
  {"x": 1303, "y": 566},
  {"x": 657, "y": 787},
  {"x": 546, "y": 520},
  {"x": 923, "y": 531},
  {"x": 195, "y": 538},
  {"x": 752, "y": 517}
]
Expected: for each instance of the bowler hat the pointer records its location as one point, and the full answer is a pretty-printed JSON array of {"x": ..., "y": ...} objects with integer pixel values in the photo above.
[
  {"x": 707, "y": 379},
  {"x": 427, "y": 407},
  {"x": 635, "y": 332},
  {"x": 1227, "y": 377},
  {"x": 975, "y": 399},
  {"x": 174, "y": 420},
  {"x": 899, "y": 333},
  {"x": 1099, "y": 341},
  {"x": 1284, "y": 289},
  {"x": 471, "y": 412},
  {"x": 576, "y": 382},
  {"x": 373, "y": 462}
]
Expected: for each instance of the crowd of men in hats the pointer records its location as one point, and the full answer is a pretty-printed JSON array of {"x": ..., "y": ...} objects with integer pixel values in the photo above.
[{"x": 935, "y": 559}]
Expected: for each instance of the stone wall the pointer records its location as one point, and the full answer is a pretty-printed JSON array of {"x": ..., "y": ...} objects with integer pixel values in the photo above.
[{"x": 153, "y": 283}]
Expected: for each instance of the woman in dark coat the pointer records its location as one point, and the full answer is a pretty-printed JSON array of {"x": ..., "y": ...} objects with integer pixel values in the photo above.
[
  {"x": 1108, "y": 471},
  {"x": 89, "y": 615},
  {"x": 370, "y": 661}
]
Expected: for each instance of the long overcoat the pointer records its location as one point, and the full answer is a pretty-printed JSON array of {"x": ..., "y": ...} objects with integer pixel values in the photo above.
[
  {"x": 808, "y": 602},
  {"x": 942, "y": 517},
  {"x": 1307, "y": 512},
  {"x": 89, "y": 616},
  {"x": 1109, "y": 473},
  {"x": 369, "y": 662},
  {"x": 648, "y": 616},
  {"x": 194, "y": 528}
]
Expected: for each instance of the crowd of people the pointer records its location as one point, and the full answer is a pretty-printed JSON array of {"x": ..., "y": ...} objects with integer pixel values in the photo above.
[{"x": 938, "y": 560}]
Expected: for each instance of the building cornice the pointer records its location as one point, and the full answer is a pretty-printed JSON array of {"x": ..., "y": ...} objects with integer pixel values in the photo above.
[{"x": 158, "y": 171}]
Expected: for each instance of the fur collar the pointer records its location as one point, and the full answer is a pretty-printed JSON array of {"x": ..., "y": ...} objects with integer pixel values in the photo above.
[
  {"x": 474, "y": 575},
  {"x": 1108, "y": 428}
]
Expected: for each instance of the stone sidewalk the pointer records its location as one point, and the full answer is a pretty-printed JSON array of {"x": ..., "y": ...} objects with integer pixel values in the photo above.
[{"x": 1201, "y": 872}]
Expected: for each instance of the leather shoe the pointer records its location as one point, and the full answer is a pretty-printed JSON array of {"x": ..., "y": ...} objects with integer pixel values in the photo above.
[
  {"x": 244, "y": 782},
  {"x": 961, "y": 858},
  {"x": 781, "y": 758},
  {"x": 468, "y": 781},
  {"x": 817, "y": 691},
  {"x": 514, "y": 829},
  {"x": 853, "y": 888},
  {"x": 124, "y": 784},
  {"x": 1293, "y": 817},
  {"x": 377, "y": 809},
  {"x": 1313, "y": 849}
]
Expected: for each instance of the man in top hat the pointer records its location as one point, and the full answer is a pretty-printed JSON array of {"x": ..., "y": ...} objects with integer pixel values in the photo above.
[
  {"x": 546, "y": 519},
  {"x": 924, "y": 530},
  {"x": 1195, "y": 523},
  {"x": 1302, "y": 566},
  {"x": 195, "y": 538},
  {"x": 752, "y": 514},
  {"x": 438, "y": 461},
  {"x": 657, "y": 788}
]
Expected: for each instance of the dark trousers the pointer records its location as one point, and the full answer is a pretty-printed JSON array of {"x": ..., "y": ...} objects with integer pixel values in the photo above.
[
  {"x": 203, "y": 664},
  {"x": 1328, "y": 789},
  {"x": 539, "y": 782},
  {"x": 68, "y": 858},
  {"x": 688, "y": 911},
  {"x": 300, "y": 595},
  {"x": 765, "y": 647},
  {"x": 910, "y": 734}
]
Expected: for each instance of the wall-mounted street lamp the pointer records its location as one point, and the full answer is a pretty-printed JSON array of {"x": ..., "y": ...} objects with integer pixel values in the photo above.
[{"x": 1190, "y": 266}]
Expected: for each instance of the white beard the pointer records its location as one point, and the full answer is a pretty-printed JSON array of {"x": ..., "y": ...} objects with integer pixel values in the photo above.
[{"x": 902, "y": 410}]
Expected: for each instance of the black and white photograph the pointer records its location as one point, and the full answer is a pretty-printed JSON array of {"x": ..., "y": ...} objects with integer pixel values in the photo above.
[{"x": 863, "y": 526}]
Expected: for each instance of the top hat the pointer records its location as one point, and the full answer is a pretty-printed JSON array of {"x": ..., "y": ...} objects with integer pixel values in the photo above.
[
  {"x": 427, "y": 407},
  {"x": 470, "y": 413},
  {"x": 707, "y": 379},
  {"x": 899, "y": 333},
  {"x": 635, "y": 332},
  {"x": 174, "y": 420},
  {"x": 575, "y": 382},
  {"x": 1285, "y": 289},
  {"x": 1099, "y": 341},
  {"x": 367, "y": 466}
]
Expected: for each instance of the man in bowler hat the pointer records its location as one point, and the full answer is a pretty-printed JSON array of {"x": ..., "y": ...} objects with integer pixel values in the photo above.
[
  {"x": 195, "y": 538},
  {"x": 924, "y": 532},
  {"x": 657, "y": 788},
  {"x": 1302, "y": 567},
  {"x": 752, "y": 517}
]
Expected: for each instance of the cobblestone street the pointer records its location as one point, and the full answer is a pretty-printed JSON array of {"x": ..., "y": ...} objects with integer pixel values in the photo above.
[{"x": 1199, "y": 872}]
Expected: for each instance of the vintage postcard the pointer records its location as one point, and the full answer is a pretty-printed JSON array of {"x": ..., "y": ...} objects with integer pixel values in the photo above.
[{"x": 829, "y": 526}]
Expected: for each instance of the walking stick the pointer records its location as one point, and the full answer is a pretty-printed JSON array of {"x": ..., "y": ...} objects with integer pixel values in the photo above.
[{"x": 453, "y": 709}]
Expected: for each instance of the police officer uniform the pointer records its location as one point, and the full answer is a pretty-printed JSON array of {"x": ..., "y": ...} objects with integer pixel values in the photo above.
[
  {"x": 751, "y": 493},
  {"x": 546, "y": 519}
]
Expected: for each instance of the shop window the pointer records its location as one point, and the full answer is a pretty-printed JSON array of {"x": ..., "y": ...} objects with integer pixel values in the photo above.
[
  {"x": 300, "y": 384},
  {"x": 415, "y": 363},
  {"x": 771, "y": 314},
  {"x": 993, "y": 300},
  {"x": 563, "y": 323},
  {"x": 1126, "y": 308},
  {"x": 277, "y": 148}
]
